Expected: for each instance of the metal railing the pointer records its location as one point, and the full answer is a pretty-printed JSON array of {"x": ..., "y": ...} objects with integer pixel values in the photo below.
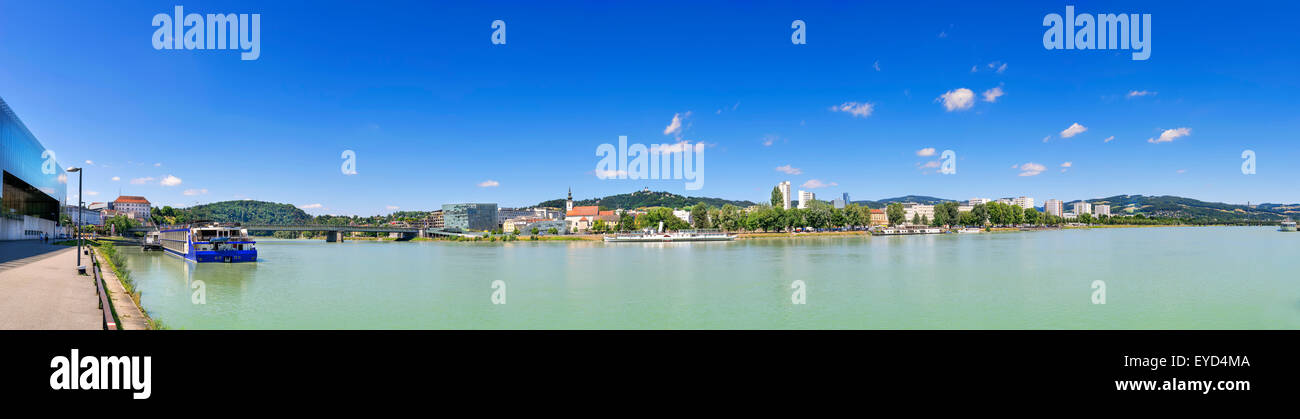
[{"x": 104, "y": 304}]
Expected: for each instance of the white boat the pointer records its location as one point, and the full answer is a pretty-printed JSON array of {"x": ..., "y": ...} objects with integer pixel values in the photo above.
[
  {"x": 906, "y": 231},
  {"x": 1288, "y": 225},
  {"x": 649, "y": 235},
  {"x": 970, "y": 230}
]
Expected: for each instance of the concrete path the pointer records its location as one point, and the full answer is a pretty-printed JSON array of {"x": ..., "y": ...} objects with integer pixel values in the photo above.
[{"x": 40, "y": 288}]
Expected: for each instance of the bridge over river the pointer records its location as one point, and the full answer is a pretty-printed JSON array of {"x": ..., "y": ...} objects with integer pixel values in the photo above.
[{"x": 335, "y": 233}]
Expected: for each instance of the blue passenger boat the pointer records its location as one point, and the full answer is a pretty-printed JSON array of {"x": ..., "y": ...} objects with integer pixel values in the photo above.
[{"x": 210, "y": 242}]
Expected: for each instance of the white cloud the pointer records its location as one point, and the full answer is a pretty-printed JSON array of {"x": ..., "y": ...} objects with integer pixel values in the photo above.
[
  {"x": 115, "y": 178},
  {"x": 815, "y": 183},
  {"x": 932, "y": 164},
  {"x": 1047, "y": 138},
  {"x": 90, "y": 163},
  {"x": 1181, "y": 171},
  {"x": 958, "y": 100},
  {"x": 1108, "y": 139},
  {"x": 142, "y": 180},
  {"x": 858, "y": 110},
  {"x": 1031, "y": 169},
  {"x": 1140, "y": 93},
  {"x": 610, "y": 174},
  {"x": 92, "y": 193},
  {"x": 674, "y": 127},
  {"x": 769, "y": 139},
  {"x": 1073, "y": 130},
  {"x": 489, "y": 184},
  {"x": 311, "y": 206},
  {"x": 1170, "y": 135},
  {"x": 157, "y": 165},
  {"x": 787, "y": 169},
  {"x": 392, "y": 207},
  {"x": 1067, "y": 164},
  {"x": 1002, "y": 68},
  {"x": 993, "y": 94},
  {"x": 170, "y": 180},
  {"x": 192, "y": 192},
  {"x": 925, "y": 152}
]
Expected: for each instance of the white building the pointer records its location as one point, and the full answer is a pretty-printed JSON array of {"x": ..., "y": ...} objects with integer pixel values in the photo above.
[
  {"x": 1082, "y": 207},
  {"x": 976, "y": 201},
  {"x": 683, "y": 214},
  {"x": 1023, "y": 202},
  {"x": 137, "y": 206},
  {"x": 806, "y": 198},
  {"x": 911, "y": 210},
  {"x": 785, "y": 194},
  {"x": 1101, "y": 210},
  {"x": 1054, "y": 207}
]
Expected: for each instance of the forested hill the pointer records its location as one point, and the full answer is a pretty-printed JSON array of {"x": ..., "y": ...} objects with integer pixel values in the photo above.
[
  {"x": 1179, "y": 207},
  {"x": 646, "y": 199},
  {"x": 249, "y": 212}
]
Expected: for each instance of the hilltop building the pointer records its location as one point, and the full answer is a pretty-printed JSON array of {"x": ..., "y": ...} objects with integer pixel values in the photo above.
[{"x": 1101, "y": 210}]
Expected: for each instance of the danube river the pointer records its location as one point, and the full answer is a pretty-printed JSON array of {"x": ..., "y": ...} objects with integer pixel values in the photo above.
[{"x": 1155, "y": 278}]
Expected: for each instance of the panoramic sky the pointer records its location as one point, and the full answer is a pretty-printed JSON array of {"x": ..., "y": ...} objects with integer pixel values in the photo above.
[{"x": 435, "y": 112}]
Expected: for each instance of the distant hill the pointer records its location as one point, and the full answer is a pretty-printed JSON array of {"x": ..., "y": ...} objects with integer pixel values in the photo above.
[
  {"x": 926, "y": 200},
  {"x": 249, "y": 212},
  {"x": 1179, "y": 207},
  {"x": 640, "y": 199}
]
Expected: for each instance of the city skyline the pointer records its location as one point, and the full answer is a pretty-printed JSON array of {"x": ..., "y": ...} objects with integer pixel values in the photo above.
[{"x": 437, "y": 114}]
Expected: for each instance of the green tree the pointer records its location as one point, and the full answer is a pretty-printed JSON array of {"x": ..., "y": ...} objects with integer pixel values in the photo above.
[
  {"x": 895, "y": 213},
  {"x": 729, "y": 218},
  {"x": 981, "y": 213},
  {"x": 1031, "y": 216},
  {"x": 778, "y": 199},
  {"x": 700, "y": 215}
]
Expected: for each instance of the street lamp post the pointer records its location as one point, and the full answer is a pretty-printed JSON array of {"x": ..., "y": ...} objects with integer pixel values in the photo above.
[{"x": 77, "y": 170}]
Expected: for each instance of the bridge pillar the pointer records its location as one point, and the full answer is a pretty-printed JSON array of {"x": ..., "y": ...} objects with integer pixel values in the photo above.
[{"x": 333, "y": 236}]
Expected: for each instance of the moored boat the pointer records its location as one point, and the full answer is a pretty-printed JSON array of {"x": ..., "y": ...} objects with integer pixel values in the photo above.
[
  {"x": 210, "y": 242},
  {"x": 906, "y": 231},
  {"x": 1288, "y": 225},
  {"x": 659, "y": 235}
]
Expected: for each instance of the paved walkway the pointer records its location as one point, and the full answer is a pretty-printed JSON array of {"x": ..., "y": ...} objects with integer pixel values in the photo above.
[{"x": 40, "y": 288}]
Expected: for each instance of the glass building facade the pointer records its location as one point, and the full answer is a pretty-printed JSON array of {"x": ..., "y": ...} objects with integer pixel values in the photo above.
[
  {"x": 470, "y": 216},
  {"x": 35, "y": 186}
]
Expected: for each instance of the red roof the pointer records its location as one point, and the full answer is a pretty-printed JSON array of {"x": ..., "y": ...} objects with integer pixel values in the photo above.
[
  {"x": 126, "y": 199},
  {"x": 610, "y": 212},
  {"x": 581, "y": 211},
  {"x": 877, "y": 211}
]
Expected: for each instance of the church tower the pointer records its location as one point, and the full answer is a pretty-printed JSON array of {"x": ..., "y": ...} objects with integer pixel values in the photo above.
[{"x": 568, "y": 205}]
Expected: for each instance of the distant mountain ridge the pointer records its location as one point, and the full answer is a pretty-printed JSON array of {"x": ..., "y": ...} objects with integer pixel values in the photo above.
[{"x": 645, "y": 198}]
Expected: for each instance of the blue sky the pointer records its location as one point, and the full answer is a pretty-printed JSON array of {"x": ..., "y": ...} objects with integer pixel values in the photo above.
[{"x": 433, "y": 109}]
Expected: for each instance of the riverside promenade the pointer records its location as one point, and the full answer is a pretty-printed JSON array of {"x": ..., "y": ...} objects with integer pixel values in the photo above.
[{"x": 40, "y": 288}]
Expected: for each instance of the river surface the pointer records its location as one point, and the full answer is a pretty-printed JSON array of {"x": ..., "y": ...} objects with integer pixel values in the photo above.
[{"x": 1155, "y": 278}]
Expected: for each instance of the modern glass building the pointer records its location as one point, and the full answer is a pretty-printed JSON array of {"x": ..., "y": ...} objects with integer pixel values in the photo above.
[
  {"x": 35, "y": 186},
  {"x": 470, "y": 216}
]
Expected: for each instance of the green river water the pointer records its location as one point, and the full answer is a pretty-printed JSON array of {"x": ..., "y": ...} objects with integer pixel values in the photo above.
[{"x": 1156, "y": 278}]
